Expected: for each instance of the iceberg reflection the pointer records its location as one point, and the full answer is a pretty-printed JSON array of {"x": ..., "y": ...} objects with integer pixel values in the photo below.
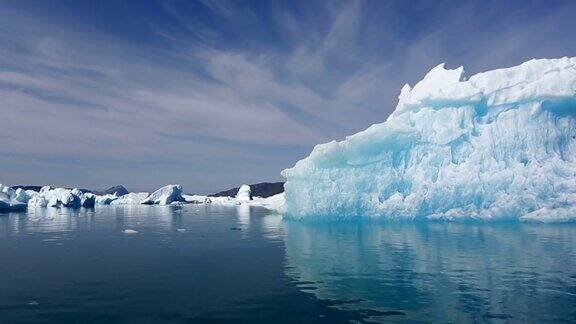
[{"x": 438, "y": 271}]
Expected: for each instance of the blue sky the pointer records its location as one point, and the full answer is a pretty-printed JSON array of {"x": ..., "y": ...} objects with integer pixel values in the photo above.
[{"x": 212, "y": 94}]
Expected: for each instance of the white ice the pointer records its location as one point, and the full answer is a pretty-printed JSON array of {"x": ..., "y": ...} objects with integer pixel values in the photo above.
[
  {"x": 133, "y": 198},
  {"x": 165, "y": 196},
  {"x": 12, "y": 200},
  {"x": 243, "y": 194}
]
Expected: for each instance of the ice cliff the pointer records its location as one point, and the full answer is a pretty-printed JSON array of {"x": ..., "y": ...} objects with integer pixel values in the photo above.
[{"x": 501, "y": 144}]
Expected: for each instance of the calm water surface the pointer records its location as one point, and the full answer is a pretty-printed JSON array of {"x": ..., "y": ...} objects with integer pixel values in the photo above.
[{"x": 205, "y": 264}]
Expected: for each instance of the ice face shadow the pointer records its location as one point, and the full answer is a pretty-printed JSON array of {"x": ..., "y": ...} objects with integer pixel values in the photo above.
[{"x": 438, "y": 271}]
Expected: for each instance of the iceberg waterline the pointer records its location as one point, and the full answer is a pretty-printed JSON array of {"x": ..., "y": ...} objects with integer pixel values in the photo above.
[
  {"x": 499, "y": 145},
  {"x": 19, "y": 200}
]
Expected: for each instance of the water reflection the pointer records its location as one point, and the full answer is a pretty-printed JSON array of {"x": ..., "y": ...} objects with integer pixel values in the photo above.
[
  {"x": 243, "y": 212},
  {"x": 273, "y": 227},
  {"x": 68, "y": 220},
  {"x": 438, "y": 271}
]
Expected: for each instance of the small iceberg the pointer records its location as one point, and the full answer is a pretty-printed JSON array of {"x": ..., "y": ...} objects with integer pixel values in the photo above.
[
  {"x": 133, "y": 198},
  {"x": 243, "y": 194},
  {"x": 165, "y": 196},
  {"x": 12, "y": 200}
]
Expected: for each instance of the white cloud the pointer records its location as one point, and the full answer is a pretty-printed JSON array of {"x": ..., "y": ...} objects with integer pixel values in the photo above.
[{"x": 92, "y": 95}]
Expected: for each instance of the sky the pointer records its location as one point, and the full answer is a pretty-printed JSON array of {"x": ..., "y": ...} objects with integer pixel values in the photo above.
[{"x": 213, "y": 94}]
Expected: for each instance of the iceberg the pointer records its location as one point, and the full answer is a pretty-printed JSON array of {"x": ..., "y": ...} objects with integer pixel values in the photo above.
[
  {"x": 59, "y": 197},
  {"x": 243, "y": 194},
  {"x": 12, "y": 200},
  {"x": 133, "y": 198},
  {"x": 69, "y": 198},
  {"x": 276, "y": 203},
  {"x": 105, "y": 199},
  {"x": 21, "y": 196},
  {"x": 165, "y": 196},
  {"x": 6, "y": 190},
  {"x": 499, "y": 145},
  {"x": 197, "y": 199},
  {"x": 37, "y": 201},
  {"x": 88, "y": 200}
]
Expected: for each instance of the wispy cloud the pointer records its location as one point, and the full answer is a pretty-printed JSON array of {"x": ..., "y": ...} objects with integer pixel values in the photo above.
[{"x": 214, "y": 93}]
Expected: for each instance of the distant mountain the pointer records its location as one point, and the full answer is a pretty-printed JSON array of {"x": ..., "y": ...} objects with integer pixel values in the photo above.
[
  {"x": 263, "y": 189},
  {"x": 33, "y": 188},
  {"x": 119, "y": 190},
  {"x": 37, "y": 188}
]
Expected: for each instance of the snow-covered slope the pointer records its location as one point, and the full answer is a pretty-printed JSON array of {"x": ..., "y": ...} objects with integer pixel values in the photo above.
[{"x": 501, "y": 144}]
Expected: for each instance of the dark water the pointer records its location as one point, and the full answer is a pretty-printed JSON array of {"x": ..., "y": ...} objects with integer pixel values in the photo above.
[{"x": 205, "y": 264}]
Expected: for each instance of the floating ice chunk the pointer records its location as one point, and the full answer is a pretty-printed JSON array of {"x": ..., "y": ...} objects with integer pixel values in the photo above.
[
  {"x": 69, "y": 199},
  {"x": 243, "y": 194},
  {"x": 88, "y": 200},
  {"x": 276, "y": 202},
  {"x": 224, "y": 201},
  {"x": 197, "y": 199},
  {"x": 9, "y": 205},
  {"x": 7, "y": 190},
  {"x": 53, "y": 201},
  {"x": 165, "y": 196},
  {"x": 21, "y": 196},
  {"x": 501, "y": 144},
  {"x": 45, "y": 189},
  {"x": 105, "y": 200},
  {"x": 133, "y": 198},
  {"x": 37, "y": 201},
  {"x": 129, "y": 231}
]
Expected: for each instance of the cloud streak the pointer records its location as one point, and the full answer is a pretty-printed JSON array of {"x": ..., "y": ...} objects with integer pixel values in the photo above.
[{"x": 211, "y": 94}]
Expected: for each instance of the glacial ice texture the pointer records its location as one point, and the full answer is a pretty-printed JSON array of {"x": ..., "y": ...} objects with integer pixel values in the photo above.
[{"x": 499, "y": 145}]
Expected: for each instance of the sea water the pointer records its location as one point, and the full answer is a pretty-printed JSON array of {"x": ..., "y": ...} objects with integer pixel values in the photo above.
[{"x": 204, "y": 263}]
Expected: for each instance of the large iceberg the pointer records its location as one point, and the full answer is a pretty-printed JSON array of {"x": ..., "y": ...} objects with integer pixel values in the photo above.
[{"x": 498, "y": 145}]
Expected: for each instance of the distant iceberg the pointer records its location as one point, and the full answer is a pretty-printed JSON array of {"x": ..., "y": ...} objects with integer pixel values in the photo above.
[
  {"x": 20, "y": 200},
  {"x": 88, "y": 200},
  {"x": 243, "y": 197},
  {"x": 243, "y": 194},
  {"x": 12, "y": 200},
  {"x": 132, "y": 198},
  {"x": 59, "y": 197},
  {"x": 165, "y": 196},
  {"x": 499, "y": 145}
]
